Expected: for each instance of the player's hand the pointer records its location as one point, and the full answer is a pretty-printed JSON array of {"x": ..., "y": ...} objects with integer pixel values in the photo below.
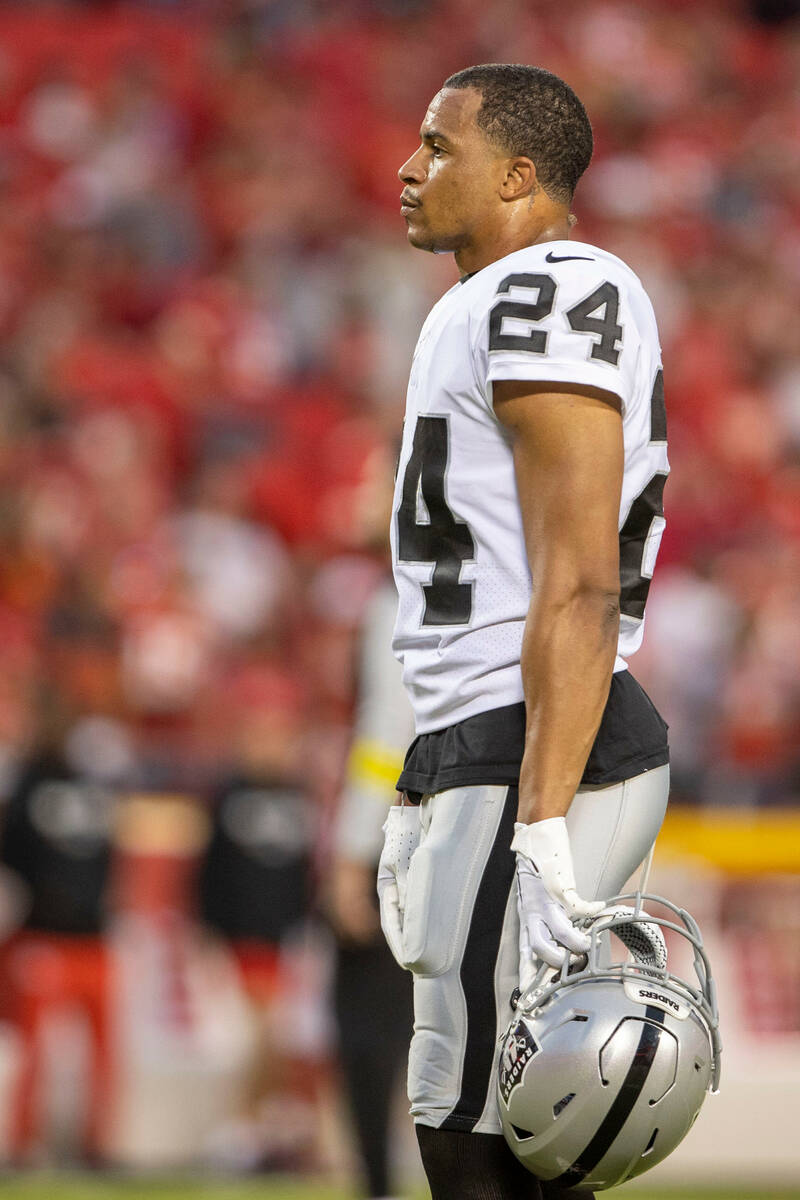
[
  {"x": 402, "y": 833},
  {"x": 547, "y": 899},
  {"x": 351, "y": 901}
]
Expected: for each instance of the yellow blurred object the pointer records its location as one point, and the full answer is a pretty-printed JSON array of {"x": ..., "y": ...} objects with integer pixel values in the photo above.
[
  {"x": 372, "y": 763},
  {"x": 737, "y": 841}
]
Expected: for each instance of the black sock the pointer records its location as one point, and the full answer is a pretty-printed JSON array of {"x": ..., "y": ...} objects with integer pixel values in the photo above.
[{"x": 473, "y": 1166}]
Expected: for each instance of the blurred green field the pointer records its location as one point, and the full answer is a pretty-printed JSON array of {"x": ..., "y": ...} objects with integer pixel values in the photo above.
[{"x": 47, "y": 1186}]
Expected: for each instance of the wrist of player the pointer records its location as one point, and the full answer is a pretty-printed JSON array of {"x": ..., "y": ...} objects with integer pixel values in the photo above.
[
  {"x": 545, "y": 846},
  {"x": 547, "y": 898},
  {"x": 538, "y": 802}
]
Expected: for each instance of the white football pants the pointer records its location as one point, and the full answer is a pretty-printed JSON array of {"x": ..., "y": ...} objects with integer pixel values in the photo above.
[{"x": 461, "y": 931}]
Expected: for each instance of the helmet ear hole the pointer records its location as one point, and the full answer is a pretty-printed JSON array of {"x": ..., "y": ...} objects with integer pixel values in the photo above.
[
  {"x": 651, "y": 1143},
  {"x": 523, "y": 1135}
]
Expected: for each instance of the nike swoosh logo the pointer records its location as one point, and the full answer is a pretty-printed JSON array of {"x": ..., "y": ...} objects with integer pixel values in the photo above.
[{"x": 550, "y": 257}]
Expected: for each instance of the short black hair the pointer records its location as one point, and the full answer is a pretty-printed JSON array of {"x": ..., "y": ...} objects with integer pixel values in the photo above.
[{"x": 529, "y": 111}]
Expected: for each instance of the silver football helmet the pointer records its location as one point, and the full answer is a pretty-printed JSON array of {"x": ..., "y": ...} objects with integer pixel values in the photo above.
[{"x": 606, "y": 1063}]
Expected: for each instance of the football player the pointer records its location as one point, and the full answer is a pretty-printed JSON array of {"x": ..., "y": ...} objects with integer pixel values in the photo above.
[
  {"x": 526, "y": 523},
  {"x": 373, "y": 1033}
]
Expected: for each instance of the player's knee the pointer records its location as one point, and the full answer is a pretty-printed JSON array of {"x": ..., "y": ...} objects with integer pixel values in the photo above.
[{"x": 433, "y": 1072}]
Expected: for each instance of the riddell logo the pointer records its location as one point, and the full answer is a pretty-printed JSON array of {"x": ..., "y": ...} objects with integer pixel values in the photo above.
[{"x": 658, "y": 996}]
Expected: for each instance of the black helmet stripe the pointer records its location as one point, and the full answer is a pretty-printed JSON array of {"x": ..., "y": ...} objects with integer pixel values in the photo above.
[{"x": 624, "y": 1101}]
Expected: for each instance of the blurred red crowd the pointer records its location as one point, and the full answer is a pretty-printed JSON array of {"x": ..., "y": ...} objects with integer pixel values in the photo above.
[{"x": 207, "y": 308}]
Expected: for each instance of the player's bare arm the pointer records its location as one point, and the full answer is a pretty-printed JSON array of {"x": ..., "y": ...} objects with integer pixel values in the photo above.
[{"x": 568, "y": 459}]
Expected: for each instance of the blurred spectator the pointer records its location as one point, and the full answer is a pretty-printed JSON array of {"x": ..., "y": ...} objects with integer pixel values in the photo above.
[
  {"x": 56, "y": 840},
  {"x": 254, "y": 892},
  {"x": 254, "y": 880},
  {"x": 373, "y": 1033}
]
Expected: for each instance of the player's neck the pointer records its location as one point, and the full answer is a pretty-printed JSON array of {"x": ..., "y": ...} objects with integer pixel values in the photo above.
[{"x": 499, "y": 243}]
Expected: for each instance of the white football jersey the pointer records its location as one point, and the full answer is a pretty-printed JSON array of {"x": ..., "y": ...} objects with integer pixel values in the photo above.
[{"x": 564, "y": 312}]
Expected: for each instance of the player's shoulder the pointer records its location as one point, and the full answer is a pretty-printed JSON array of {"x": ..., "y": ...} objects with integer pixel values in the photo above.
[{"x": 572, "y": 264}]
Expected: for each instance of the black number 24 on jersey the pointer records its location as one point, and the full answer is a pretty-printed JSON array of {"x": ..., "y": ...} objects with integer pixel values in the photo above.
[{"x": 427, "y": 529}]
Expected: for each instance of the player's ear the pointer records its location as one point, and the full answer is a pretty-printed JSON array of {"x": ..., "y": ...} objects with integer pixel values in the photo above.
[{"x": 519, "y": 179}]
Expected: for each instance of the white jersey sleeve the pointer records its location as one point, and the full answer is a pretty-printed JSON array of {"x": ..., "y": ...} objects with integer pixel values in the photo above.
[
  {"x": 562, "y": 324},
  {"x": 384, "y": 727}
]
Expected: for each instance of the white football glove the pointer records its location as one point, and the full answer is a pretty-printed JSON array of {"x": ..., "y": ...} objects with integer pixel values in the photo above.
[
  {"x": 547, "y": 899},
  {"x": 402, "y": 831}
]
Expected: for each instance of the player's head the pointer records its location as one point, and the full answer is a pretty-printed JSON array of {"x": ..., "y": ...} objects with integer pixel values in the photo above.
[{"x": 497, "y": 138}]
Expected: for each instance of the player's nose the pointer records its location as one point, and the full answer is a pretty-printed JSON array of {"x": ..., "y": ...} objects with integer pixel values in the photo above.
[{"x": 412, "y": 170}]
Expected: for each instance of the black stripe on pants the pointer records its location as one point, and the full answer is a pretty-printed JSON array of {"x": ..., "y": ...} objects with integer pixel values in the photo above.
[{"x": 477, "y": 973}]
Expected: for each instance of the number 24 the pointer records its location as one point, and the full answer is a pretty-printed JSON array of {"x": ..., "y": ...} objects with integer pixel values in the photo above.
[{"x": 597, "y": 314}]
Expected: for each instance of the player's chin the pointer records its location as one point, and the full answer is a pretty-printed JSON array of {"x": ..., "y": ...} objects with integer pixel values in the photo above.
[
  {"x": 417, "y": 237},
  {"x": 422, "y": 239}
]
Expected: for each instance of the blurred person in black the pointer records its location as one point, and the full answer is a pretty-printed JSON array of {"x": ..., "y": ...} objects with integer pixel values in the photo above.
[
  {"x": 372, "y": 996},
  {"x": 57, "y": 841},
  {"x": 254, "y": 892}
]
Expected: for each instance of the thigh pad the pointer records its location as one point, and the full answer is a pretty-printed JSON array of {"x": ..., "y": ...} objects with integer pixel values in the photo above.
[{"x": 460, "y": 826}]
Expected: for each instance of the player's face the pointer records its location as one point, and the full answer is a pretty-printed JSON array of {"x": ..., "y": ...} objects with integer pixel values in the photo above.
[{"x": 451, "y": 181}]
